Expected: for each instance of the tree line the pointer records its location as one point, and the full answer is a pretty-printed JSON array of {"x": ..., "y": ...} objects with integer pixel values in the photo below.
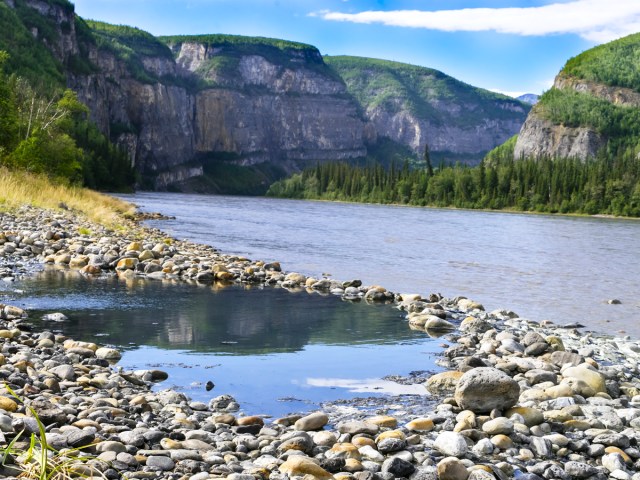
[
  {"x": 50, "y": 133},
  {"x": 608, "y": 184}
]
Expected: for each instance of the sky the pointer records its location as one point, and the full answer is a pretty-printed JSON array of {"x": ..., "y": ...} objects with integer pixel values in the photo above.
[{"x": 510, "y": 46}]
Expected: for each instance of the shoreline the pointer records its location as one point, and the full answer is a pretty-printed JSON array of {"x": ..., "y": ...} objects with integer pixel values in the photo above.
[{"x": 571, "y": 399}]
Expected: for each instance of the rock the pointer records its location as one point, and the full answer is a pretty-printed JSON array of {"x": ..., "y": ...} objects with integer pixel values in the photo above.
[
  {"x": 579, "y": 469},
  {"x": 451, "y": 444},
  {"x": 452, "y": 469},
  {"x": 437, "y": 324},
  {"x": 314, "y": 421},
  {"x": 55, "y": 317},
  {"x": 541, "y": 447},
  {"x": 532, "y": 416},
  {"x": 355, "y": 427},
  {"x": 563, "y": 358},
  {"x": 443, "y": 382},
  {"x": 421, "y": 425},
  {"x": 585, "y": 373},
  {"x": 613, "y": 462},
  {"x": 105, "y": 353},
  {"x": 160, "y": 462},
  {"x": 500, "y": 425},
  {"x": 484, "y": 389},
  {"x": 302, "y": 466},
  {"x": 8, "y": 404},
  {"x": 64, "y": 372},
  {"x": 397, "y": 467}
]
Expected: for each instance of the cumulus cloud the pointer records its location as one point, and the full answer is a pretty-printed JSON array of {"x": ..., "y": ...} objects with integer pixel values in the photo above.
[{"x": 594, "y": 20}]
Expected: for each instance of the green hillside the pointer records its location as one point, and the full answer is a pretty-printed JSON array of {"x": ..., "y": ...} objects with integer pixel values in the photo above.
[
  {"x": 615, "y": 63},
  {"x": 30, "y": 59},
  {"x": 398, "y": 86}
]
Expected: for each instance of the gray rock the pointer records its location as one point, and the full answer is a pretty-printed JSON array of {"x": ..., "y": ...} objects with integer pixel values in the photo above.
[
  {"x": 541, "y": 447},
  {"x": 355, "y": 427},
  {"x": 579, "y": 469},
  {"x": 397, "y": 467},
  {"x": 451, "y": 444},
  {"x": 485, "y": 388},
  {"x": 160, "y": 462}
]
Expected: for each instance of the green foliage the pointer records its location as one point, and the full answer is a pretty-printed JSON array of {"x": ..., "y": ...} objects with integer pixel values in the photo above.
[
  {"x": 397, "y": 86},
  {"x": 51, "y": 134},
  {"x": 615, "y": 63},
  {"x": 29, "y": 58},
  {"x": 577, "y": 109},
  {"x": 240, "y": 42},
  {"x": 131, "y": 45},
  {"x": 39, "y": 460},
  {"x": 607, "y": 184}
]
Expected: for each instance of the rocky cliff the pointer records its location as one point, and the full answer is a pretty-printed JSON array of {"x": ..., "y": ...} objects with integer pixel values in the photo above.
[
  {"x": 185, "y": 106},
  {"x": 418, "y": 107},
  {"x": 594, "y": 101}
]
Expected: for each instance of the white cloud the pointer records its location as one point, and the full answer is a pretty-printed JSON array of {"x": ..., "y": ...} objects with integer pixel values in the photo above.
[{"x": 594, "y": 20}]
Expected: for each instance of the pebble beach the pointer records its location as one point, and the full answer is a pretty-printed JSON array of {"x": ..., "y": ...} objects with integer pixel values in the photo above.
[{"x": 516, "y": 398}]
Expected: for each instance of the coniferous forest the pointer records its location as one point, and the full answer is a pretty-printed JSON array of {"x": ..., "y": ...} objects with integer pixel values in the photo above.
[{"x": 608, "y": 184}]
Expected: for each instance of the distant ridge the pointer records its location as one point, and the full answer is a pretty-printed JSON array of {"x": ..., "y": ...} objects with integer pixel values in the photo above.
[{"x": 530, "y": 98}]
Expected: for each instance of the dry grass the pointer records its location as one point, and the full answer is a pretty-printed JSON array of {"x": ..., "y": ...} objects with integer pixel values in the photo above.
[{"x": 21, "y": 188}]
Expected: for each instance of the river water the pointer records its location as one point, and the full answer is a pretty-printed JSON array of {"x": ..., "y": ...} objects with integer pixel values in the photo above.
[{"x": 564, "y": 269}]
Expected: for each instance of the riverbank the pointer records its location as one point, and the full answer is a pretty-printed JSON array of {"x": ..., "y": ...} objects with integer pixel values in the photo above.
[{"x": 517, "y": 399}]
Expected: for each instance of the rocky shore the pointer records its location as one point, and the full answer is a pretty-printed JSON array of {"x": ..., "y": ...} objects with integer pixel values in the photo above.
[{"x": 517, "y": 398}]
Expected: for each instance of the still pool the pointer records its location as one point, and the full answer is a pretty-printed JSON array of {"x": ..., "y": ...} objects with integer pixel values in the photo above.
[{"x": 275, "y": 351}]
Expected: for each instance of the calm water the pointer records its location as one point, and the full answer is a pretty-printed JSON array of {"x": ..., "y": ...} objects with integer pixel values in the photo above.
[
  {"x": 275, "y": 351},
  {"x": 542, "y": 267}
]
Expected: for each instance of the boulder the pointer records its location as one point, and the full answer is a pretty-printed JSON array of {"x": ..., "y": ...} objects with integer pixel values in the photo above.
[{"x": 485, "y": 388}]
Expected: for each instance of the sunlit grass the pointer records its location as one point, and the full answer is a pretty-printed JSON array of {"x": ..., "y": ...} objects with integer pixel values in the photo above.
[{"x": 21, "y": 188}]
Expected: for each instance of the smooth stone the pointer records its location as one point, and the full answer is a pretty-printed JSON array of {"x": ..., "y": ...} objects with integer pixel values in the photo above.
[
  {"x": 314, "y": 421},
  {"x": 420, "y": 425},
  {"x": 161, "y": 462},
  {"x": 64, "y": 372},
  {"x": 451, "y": 444},
  {"x": 443, "y": 382},
  {"x": 592, "y": 378},
  {"x": 613, "y": 461},
  {"x": 541, "y": 447},
  {"x": 532, "y": 416},
  {"x": 301, "y": 466},
  {"x": 484, "y": 389},
  {"x": 8, "y": 405},
  {"x": 497, "y": 426},
  {"x": 354, "y": 427},
  {"x": 384, "y": 421},
  {"x": 106, "y": 353},
  {"x": 452, "y": 469}
]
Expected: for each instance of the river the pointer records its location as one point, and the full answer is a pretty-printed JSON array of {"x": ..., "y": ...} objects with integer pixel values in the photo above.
[{"x": 559, "y": 268}]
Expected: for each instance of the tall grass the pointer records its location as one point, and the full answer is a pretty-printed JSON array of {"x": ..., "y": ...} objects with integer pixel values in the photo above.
[{"x": 21, "y": 188}]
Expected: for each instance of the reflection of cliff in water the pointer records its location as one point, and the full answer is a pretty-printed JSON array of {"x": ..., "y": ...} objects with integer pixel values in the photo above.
[{"x": 229, "y": 320}]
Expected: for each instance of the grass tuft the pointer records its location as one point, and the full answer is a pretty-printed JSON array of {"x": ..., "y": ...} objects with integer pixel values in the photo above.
[{"x": 21, "y": 188}]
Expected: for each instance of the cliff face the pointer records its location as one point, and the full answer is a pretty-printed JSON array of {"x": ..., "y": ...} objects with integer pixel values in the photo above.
[
  {"x": 593, "y": 104},
  {"x": 179, "y": 105},
  {"x": 541, "y": 137},
  {"x": 418, "y": 107}
]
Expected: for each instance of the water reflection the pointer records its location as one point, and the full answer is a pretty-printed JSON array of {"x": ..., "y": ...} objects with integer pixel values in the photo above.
[{"x": 244, "y": 339}]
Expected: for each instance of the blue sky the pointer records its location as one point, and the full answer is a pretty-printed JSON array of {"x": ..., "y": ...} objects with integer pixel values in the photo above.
[{"x": 513, "y": 46}]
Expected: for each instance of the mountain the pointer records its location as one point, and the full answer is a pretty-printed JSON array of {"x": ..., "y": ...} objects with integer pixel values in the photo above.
[
  {"x": 593, "y": 106},
  {"x": 530, "y": 98},
  {"x": 416, "y": 106},
  {"x": 230, "y": 114}
]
